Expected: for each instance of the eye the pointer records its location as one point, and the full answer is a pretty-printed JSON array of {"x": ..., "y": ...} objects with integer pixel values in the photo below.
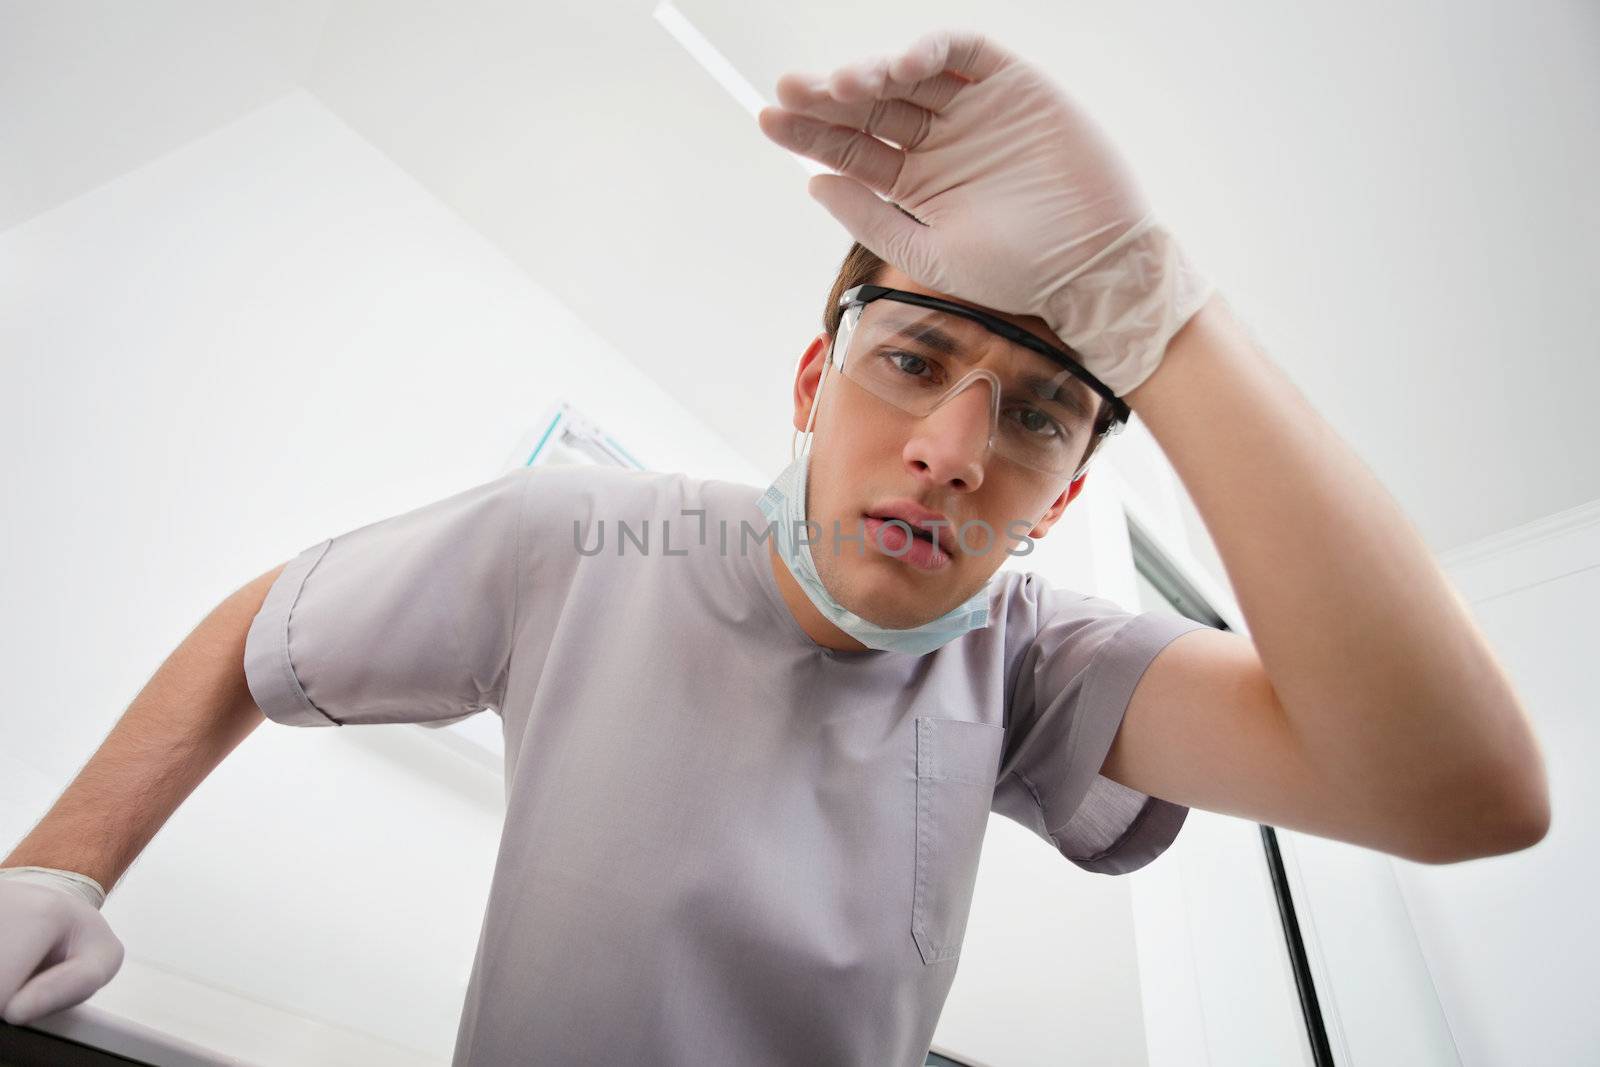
[
  {"x": 1038, "y": 424},
  {"x": 911, "y": 365}
]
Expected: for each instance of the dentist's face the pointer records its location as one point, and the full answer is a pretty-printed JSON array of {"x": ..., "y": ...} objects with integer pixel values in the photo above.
[{"x": 866, "y": 454}]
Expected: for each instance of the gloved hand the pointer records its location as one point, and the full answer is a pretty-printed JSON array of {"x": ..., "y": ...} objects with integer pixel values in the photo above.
[
  {"x": 50, "y": 923},
  {"x": 1023, "y": 203}
]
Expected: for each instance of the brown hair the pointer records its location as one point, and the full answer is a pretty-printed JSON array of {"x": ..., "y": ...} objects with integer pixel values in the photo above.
[{"x": 861, "y": 266}]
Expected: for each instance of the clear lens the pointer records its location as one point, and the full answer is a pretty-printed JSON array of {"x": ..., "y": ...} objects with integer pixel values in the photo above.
[{"x": 916, "y": 358}]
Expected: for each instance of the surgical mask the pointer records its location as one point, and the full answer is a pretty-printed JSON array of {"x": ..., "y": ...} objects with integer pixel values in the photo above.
[{"x": 784, "y": 505}]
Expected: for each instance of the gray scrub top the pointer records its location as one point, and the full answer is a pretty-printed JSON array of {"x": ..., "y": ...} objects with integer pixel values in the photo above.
[{"x": 723, "y": 843}]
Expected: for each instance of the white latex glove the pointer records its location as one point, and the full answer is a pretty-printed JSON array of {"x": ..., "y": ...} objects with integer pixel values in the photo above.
[
  {"x": 1023, "y": 203},
  {"x": 56, "y": 949}
]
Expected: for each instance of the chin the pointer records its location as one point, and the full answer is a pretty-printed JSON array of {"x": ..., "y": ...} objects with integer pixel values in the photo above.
[{"x": 899, "y": 596}]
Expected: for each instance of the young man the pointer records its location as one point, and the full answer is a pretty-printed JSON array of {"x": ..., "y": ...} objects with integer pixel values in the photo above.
[{"x": 749, "y": 761}]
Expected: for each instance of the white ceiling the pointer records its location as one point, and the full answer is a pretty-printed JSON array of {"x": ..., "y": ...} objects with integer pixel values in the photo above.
[
  {"x": 89, "y": 91},
  {"x": 1400, "y": 200}
]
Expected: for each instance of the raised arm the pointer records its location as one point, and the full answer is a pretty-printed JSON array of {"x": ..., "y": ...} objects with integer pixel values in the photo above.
[{"x": 1366, "y": 704}]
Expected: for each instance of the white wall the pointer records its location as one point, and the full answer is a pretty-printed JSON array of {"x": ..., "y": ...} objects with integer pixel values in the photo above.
[
  {"x": 1485, "y": 962},
  {"x": 1511, "y": 941},
  {"x": 263, "y": 338}
]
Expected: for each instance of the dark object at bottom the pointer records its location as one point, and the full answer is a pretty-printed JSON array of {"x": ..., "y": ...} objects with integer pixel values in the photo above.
[{"x": 22, "y": 1046}]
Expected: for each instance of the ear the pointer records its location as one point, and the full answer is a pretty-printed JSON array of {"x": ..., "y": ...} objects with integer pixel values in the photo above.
[
  {"x": 807, "y": 378},
  {"x": 1048, "y": 519}
]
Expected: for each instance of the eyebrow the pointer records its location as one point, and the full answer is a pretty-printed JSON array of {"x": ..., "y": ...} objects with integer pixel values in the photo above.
[{"x": 1069, "y": 390}]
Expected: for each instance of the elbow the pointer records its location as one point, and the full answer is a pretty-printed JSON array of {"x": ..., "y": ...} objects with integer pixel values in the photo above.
[
  {"x": 1527, "y": 820},
  {"x": 1503, "y": 837},
  {"x": 1509, "y": 814},
  {"x": 1521, "y": 817}
]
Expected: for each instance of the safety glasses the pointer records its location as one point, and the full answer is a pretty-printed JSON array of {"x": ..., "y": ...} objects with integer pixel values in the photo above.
[{"x": 916, "y": 352}]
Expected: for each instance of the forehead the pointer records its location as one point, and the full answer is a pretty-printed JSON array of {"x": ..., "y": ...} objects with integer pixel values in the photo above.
[
  {"x": 893, "y": 278},
  {"x": 892, "y": 320}
]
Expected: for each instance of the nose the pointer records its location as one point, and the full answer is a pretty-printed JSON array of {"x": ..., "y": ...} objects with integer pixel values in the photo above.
[{"x": 949, "y": 445}]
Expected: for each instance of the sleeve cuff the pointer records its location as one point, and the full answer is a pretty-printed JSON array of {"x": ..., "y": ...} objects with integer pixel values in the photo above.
[
  {"x": 267, "y": 670},
  {"x": 1112, "y": 678}
]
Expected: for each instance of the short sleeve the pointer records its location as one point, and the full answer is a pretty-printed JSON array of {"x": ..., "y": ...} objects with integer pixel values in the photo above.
[
  {"x": 1072, "y": 686},
  {"x": 409, "y": 619}
]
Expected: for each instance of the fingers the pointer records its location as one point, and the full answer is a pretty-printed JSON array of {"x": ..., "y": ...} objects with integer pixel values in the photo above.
[
  {"x": 849, "y": 135},
  {"x": 898, "y": 121},
  {"x": 847, "y": 151},
  {"x": 65, "y": 940},
  {"x": 72, "y": 981},
  {"x": 859, "y": 85},
  {"x": 28, "y": 944},
  {"x": 844, "y": 119},
  {"x": 961, "y": 55}
]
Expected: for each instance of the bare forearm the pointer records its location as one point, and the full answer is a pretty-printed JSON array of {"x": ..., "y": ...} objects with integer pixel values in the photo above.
[
  {"x": 193, "y": 712},
  {"x": 1390, "y": 685}
]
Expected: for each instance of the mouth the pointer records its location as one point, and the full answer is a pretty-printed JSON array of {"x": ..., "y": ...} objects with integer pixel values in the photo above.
[{"x": 921, "y": 521}]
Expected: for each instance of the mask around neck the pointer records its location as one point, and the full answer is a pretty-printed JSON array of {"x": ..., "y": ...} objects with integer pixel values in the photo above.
[{"x": 784, "y": 505}]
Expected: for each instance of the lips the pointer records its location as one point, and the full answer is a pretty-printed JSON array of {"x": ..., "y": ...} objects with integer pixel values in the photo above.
[{"x": 918, "y": 517}]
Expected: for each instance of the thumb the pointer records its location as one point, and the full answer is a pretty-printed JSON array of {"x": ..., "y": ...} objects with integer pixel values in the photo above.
[{"x": 887, "y": 231}]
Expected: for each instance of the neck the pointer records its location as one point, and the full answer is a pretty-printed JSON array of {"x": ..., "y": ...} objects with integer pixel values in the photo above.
[{"x": 804, "y": 611}]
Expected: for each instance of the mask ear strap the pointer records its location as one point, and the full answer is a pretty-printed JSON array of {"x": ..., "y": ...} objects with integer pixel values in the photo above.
[{"x": 816, "y": 402}]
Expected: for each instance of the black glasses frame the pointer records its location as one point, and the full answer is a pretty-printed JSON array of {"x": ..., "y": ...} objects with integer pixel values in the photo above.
[{"x": 1064, "y": 357}]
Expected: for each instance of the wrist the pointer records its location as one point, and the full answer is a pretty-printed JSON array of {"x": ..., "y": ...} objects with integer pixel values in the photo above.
[
  {"x": 1193, "y": 335},
  {"x": 1122, "y": 309},
  {"x": 79, "y": 885}
]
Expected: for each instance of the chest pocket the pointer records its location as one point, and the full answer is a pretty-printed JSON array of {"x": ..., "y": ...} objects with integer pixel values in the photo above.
[{"x": 957, "y": 762}]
